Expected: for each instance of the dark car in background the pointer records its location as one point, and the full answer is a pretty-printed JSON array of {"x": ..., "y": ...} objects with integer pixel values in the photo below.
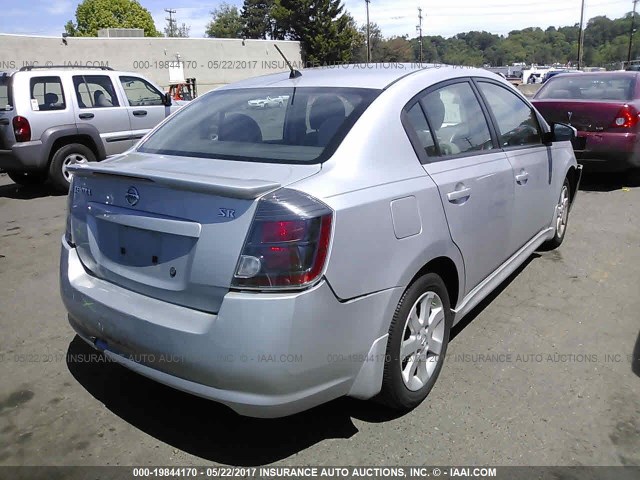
[{"x": 604, "y": 108}]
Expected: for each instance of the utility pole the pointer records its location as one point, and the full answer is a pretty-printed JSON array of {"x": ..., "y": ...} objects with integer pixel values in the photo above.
[
  {"x": 172, "y": 28},
  {"x": 581, "y": 36},
  {"x": 419, "y": 28},
  {"x": 367, "y": 2},
  {"x": 633, "y": 21}
]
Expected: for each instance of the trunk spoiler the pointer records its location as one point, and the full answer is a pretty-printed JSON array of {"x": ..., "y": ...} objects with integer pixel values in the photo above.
[{"x": 224, "y": 186}]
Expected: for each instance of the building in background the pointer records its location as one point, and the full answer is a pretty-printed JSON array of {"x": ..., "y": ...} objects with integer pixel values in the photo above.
[{"x": 212, "y": 61}]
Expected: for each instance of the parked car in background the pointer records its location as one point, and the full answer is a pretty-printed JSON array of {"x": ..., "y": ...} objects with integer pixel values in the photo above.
[
  {"x": 552, "y": 73},
  {"x": 54, "y": 117},
  {"x": 268, "y": 102},
  {"x": 322, "y": 249},
  {"x": 604, "y": 108}
]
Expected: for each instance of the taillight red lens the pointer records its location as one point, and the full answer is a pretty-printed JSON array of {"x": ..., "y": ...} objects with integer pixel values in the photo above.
[
  {"x": 289, "y": 231},
  {"x": 288, "y": 244},
  {"x": 21, "y": 129},
  {"x": 627, "y": 117}
]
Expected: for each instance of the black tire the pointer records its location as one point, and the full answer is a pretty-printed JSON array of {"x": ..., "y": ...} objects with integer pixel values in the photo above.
[
  {"x": 56, "y": 168},
  {"x": 558, "y": 237},
  {"x": 28, "y": 178},
  {"x": 395, "y": 393}
]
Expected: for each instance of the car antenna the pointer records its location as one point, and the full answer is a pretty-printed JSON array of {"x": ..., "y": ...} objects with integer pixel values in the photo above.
[{"x": 294, "y": 73}]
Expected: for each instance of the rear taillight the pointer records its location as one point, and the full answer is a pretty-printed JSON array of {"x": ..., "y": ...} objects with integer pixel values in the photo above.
[
  {"x": 288, "y": 243},
  {"x": 627, "y": 117},
  {"x": 21, "y": 129}
]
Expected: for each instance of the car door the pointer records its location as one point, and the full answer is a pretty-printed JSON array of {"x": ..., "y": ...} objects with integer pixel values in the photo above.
[
  {"x": 520, "y": 136},
  {"x": 449, "y": 129},
  {"x": 146, "y": 105},
  {"x": 97, "y": 105}
]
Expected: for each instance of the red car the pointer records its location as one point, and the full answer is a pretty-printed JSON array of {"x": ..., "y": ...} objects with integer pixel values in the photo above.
[{"x": 604, "y": 108}]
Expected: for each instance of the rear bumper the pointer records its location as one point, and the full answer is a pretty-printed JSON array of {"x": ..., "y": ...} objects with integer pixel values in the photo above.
[
  {"x": 27, "y": 156},
  {"x": 263, "y": 355},
  {"x": 608, "y": 151}
]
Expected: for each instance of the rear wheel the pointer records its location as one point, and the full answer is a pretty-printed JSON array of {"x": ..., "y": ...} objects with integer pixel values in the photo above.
[
  {"x": 418, "y": 339},
  {"x": 562, "y": 218},
  {"x": 74, "y": 153},
  {"x": 28, "y": 178}
]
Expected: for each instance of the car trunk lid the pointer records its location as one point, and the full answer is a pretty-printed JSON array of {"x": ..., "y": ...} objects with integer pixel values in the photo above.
[
  {"x": 171, "y": 228},
  {"x": 584, "y": 116}
]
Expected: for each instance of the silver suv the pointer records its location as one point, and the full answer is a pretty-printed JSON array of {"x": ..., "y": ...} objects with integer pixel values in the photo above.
[{"x": 53, "y": 117}]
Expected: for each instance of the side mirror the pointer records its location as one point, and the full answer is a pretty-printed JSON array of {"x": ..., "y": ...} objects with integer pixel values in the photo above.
[
  {"x": 560, "y": 132},
  {"x": 166, "y": 99}
]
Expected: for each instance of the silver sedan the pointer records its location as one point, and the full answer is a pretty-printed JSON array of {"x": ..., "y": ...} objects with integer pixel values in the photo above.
[{"x": 273, "y": 260}]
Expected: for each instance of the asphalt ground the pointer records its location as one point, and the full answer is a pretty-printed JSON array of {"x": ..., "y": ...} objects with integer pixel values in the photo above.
[{"x": 544, "y": 372}]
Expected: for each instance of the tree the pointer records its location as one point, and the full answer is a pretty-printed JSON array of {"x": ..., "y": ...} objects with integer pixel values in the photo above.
[
  {"x": 258, "y": 23},
  {"x": 327, "y": 34},
  {"x": 395, "y": 49},
  {"x": 92, "y": 15},
  {"x": 226, "y": 22},
  {"x": 174, "y": 30}
]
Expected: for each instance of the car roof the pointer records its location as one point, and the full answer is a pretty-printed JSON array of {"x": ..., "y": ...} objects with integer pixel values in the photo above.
[
  {"x": 43, "y": 72},
  {"x": 616, "y": 73},
  {"x": 374, "y": 76}
]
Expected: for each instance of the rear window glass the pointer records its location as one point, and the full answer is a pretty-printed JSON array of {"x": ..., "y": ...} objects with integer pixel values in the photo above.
[
  {"x": 283, "y": 125},
  {"x": 588, "y": 87},
  {"x": 5, "y": 91},
  {"x": 47, "y": 93}
]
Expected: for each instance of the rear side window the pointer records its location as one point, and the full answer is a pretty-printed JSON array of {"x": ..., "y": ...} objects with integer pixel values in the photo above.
[
  {"x": 455, "y": 121},
  {"x": 140, "y": 92},
  {"x": 95, "y": 91},
  {"x": 6, "y": 98},
  {"x": 279, "y": 125},
  {"x": 47, "y": 94},
  {"x": 419, "y": 125},
  {"x": 516, "y": 121},
  {"x": 589, "y": 87}
]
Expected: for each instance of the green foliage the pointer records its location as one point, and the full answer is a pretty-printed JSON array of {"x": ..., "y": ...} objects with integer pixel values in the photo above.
[
  {"x": 92, "y": 15},
  {"x": 226, "y": 22},
  {"x": 256, "y": 15},
  {"x": 605, "y": 43},
  {"x": 327, "y": 34}
]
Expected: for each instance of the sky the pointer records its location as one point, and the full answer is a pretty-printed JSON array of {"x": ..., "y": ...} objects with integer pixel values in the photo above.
[{"x": 395, "y": 17}]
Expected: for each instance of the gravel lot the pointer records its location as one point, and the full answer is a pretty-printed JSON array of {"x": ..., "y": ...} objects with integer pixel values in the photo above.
[{"x": 546, "y": 372}]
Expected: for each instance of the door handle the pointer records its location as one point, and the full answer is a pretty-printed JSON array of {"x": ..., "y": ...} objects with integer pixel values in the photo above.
[
  {"x": 4, "y": 121},
  {"x": 460, "y": 194},
  {"x": 139, "y": 113},
  {"x": 86, "y": 116},
  {"x": 522, "y": 178}
]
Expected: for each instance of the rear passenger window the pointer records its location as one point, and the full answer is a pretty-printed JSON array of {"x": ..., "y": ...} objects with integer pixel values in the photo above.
[
  {"x": 47, "y": 94},
  {"x": 419, "y": 125},
  {"x": 457, "y": 120},
  {"x": 516, "y": 121},
  {"x": 95, "y": 91}
]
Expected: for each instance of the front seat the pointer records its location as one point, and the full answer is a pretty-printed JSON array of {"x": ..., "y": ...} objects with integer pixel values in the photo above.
[
  {"x": 100, "y": 100},
  {"x": 238, "y": 127},
  {"x": 326, "y": 115},
  {"x": 50, "y": 101}
]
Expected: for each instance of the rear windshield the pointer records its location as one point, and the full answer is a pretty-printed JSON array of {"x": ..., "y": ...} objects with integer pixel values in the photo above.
[
  {"x": 283, "y": 125},
  {"x": 588, "y": 87},
  {"x": 5, "y": 91}
]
